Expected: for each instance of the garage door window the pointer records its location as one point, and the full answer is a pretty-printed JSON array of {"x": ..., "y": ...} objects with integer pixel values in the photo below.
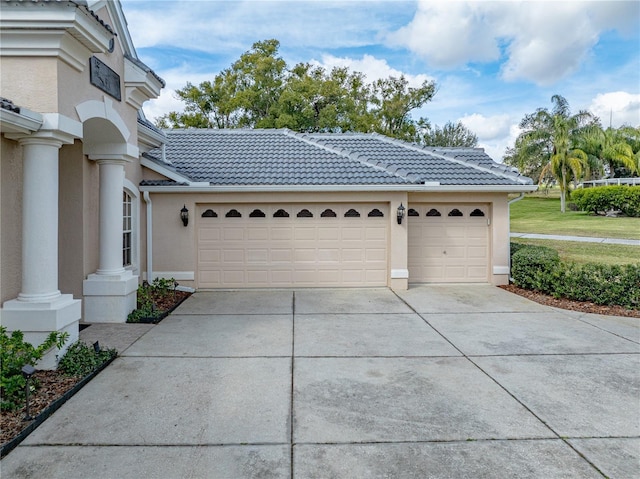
[
  {"x": 233, "y": 214},
  {"x": 433, "y": 212},
  {"x": 257, "y": 214},
  {"x": 281, "y": 214},
  {"x": 328, "y": 214},
  {"x": 455, "y": 212},
  {"x": 352, "y": 214},
  {"x": 209, "y": 214}
]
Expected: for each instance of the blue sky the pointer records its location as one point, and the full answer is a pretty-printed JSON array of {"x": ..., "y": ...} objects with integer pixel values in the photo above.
[{"x": 493, "y": 61}]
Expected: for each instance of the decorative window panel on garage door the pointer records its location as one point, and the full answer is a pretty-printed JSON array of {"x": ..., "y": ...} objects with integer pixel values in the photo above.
[
  {"x": 448, "y": 243},
  {"x": 284, "y": 245}
]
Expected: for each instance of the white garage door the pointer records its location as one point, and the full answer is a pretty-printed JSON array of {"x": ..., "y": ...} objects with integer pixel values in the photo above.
[
  {"x": 283, "y": 245},
  {"x": 448, "y": 243}
]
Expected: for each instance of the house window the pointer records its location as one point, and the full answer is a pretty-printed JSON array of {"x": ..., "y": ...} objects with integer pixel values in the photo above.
[{"x": 127, "y": 230}]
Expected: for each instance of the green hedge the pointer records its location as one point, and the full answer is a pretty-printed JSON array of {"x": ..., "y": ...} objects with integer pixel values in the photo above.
[
  {"x": 601, "y": 199},
  {"x": 539, "y": 268}
]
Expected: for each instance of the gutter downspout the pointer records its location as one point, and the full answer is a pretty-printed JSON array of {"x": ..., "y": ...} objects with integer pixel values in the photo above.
[
  {"x": 147, "y": 200},
  {"x": 509, "y": 216}
]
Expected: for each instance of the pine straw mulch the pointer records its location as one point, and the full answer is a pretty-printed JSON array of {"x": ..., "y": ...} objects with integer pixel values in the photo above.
[{"x": 584, "y": 307}]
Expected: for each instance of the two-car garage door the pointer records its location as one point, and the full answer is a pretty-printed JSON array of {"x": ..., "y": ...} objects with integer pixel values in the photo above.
[
  {"x": 283, "y": 245},
  {"x": 306, "y": 245}
]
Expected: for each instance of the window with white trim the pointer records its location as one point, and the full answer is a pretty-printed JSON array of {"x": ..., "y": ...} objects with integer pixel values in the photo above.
[{"x": 127, "y": 230}]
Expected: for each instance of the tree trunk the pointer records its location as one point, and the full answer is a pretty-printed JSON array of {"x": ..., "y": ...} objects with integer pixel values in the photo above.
[{"x": 563, "y": 190}]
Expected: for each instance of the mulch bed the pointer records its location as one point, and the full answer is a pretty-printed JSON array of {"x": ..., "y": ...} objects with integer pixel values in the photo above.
[
  {"x": 584, "y": 307},
  {"x": 53, "y": 384}
]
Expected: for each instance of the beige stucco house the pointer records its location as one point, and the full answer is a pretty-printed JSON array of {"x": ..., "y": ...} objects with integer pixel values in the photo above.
[
  {"x": 95, "y": 199},
  {"x": 72, "y": 87}
]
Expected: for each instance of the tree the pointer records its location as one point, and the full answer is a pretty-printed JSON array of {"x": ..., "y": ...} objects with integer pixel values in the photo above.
[
  {"x": 551, "y": 137},
  {"x": 449, "y": 135},
  {"x": 260, "y": 91},
  {"x": 314, "y": 100},
  {"x": 611, "y": 148},
  {"x": 394, "y": 99}
]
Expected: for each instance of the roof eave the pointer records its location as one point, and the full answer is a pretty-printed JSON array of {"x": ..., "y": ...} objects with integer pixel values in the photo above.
[{"x": 200, "y": 188}]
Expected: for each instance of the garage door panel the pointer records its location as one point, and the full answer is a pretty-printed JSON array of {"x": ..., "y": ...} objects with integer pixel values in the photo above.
[
  {"x": 284, "y": 255},
  {"x": 257, "y": 256},
  {"x": 257, "y": 234},
  {"x": 307, "y": 250},
  {"x": 465, "y": 239},
  {"x": 210, "y": 234}
]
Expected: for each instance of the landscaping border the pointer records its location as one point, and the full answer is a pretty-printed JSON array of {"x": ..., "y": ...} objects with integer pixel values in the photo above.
[{"x": 9, "y": 446}]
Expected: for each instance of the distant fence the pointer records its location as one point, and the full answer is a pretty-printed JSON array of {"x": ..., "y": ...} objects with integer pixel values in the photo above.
[{"x": 610, "y": 181}]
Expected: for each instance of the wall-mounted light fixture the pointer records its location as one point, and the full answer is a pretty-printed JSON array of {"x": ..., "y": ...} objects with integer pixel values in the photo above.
[
  {"x": 184, "y": 215},
  {"x": 400, "y": 213}
]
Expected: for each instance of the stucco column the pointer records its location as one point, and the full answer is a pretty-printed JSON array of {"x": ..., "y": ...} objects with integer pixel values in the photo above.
[
  {"x": 40, "y": 220},
  {"x": 40, "y": 308},
  {"x": 110, "y": 293},
  {"x": 111, "y": 185}
]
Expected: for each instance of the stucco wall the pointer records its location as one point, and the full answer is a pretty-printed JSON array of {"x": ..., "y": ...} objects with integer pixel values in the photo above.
[
  {"x": 30, "y": 82},
  {"x": 10, "y": 219},
  {"x": 71, "y": 231}
]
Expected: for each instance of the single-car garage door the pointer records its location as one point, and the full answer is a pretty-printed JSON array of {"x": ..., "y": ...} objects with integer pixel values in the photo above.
[
  {"x": 283, "y": 245},
  {"x": 448, "y": 243}
]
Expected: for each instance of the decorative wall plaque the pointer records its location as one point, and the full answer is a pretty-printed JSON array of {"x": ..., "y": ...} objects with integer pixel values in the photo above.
[{"x": 103, "y": 77}]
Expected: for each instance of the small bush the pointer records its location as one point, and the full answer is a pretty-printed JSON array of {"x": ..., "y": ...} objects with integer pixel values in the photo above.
[
  {"x": 147, "y": 295},
  {"x": 81, "y": 359},
  {"x": 601, "y": 199},
  {"x": 15, "y": 352},
  {"x": 533, "y": 266}
]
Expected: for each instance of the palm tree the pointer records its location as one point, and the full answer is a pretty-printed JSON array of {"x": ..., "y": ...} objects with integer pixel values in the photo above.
[
  {"x": 554, "y": 134},
  {"x": 610, "y": 147}
]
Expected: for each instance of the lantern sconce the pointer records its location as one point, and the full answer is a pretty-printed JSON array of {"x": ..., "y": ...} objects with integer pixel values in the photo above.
[
  {"x": 184, "y": 215},
  {"x": 400, "y": 213}
]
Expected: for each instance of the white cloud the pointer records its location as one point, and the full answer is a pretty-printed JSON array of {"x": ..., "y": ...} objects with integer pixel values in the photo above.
[
  {"x": 372, "y": 67},
  {"x": 537, "y": 41},
  {"x": 621, "y": 108},
  {"x": 487, "y": 128},
  {"x": 168, "y": 100}
]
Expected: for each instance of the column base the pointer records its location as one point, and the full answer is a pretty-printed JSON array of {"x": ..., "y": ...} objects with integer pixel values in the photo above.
[
  {"x": 38, "y": 320},
  {"x": 109, "y": 298}
]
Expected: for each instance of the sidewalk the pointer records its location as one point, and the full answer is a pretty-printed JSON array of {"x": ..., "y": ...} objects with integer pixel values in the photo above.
[{"x": 583, "y": 239}]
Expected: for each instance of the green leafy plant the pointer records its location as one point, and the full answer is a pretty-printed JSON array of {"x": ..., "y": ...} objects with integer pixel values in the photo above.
[
  {"x": 81, "y": 359},
  {"x": 533, "y": 266},
  {"x": 539, "y": 268},
  {"x": 148, "y": 295},
  {"x": 601, "y": 199},
  {"x": 15, "y": 352}
]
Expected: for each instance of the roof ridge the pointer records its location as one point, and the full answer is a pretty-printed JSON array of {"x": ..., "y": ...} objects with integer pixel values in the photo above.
[
  {"x": 423, "y": 149},
  {"x": 359, "y": 157}
]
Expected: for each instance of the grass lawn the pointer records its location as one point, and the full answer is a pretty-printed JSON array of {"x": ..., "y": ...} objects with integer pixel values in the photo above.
[
  {"x": 579, "y": 252},
  {"x": 541, "y": 214}
]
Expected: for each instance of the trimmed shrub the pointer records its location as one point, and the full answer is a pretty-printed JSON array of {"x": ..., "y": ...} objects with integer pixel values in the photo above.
[
  {"x": 81, "y": 359},
  {"x": 539, "y": 268},
  {"x": 601, "y": 199},
  {"x": 533, "y": 266}
]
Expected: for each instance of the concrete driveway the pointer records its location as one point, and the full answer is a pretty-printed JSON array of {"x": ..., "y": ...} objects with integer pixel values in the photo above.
[{"x": 436, "y": 382}]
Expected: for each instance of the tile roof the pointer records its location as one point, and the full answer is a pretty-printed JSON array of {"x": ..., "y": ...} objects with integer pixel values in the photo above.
[{"x": 282, "y": 157}]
